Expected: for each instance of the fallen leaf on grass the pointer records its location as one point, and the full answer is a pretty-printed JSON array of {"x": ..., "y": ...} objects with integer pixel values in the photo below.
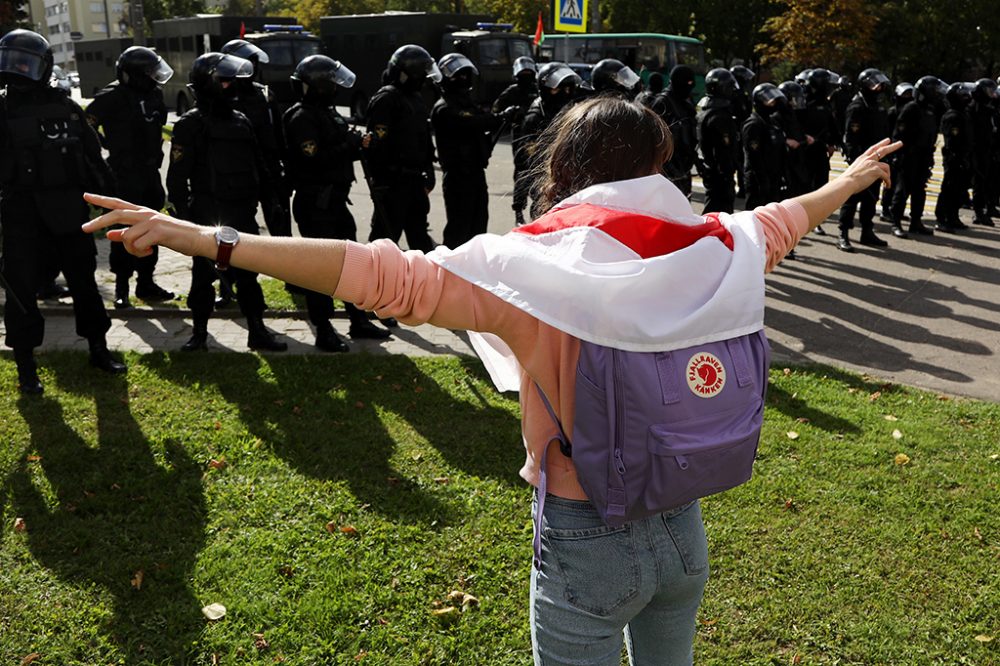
[
  {"x": 872, "y": 397},
  {"x": 890, "y": 417},
  {"x": 447, "y": 615},
  {"x": 456, "y": 596},
  {"x": 978, "y": 534},
  {"x": 217, "y": 425},
  {"x": 359, "y": 404},
  {"x": 852, "y": 390},
  {"x": 789, "y": 504},
  {"x": 349, "y": 530},
  {"x": 983, "y": 638},
  {"x": 896, "y": 434},
  {"x": 943, "y": 398},
  {"x": 469, "y": 601},
  {"x": 791, "y": 434},
  {"x": 797, "y": 659},
  {"x": 786, "y": 371},
  {"x": 20, "y": 525},
  {"x": 214, "y": 611},
  {"x": 34, "y": 458},
  {"x": 802, "y": 419},
  {"x": 217, "y": 464},
  {"x": 902, "y": 459},
  {"x": 260, "y": 642},
  {"x": 137, "y": 579},
  {"x": 37, "y": 655},
  {"x": 442, "y": 480}
]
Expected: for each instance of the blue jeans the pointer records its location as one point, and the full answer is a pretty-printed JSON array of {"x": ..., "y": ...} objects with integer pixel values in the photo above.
[{"x": 598, "y": 585}]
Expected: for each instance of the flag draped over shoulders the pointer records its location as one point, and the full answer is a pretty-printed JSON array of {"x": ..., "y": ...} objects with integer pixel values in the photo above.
[{"x": 627, "y": 265}]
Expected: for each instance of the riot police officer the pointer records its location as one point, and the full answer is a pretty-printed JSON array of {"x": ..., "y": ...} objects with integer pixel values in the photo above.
[
  {"x": 521, "y": 94},
  {"x": 958, "y": 157},
  {"x": 790, "y": 116},
  {"x": 400, "y": 157},
  {"x": 764, "y": 148},
  {"x": 465, "y": 143},
  {"x": 255, "y": 101},
  {"x": 131, "y": 112},
  {"x": 674, "y": 105},
  {"x": 742, "y": 107},
  {"x": 654, "y": 86},
  {"x": 819, "y": 123},
  {"x": 840, "y": 98},
  {"x": 865, "y": 124},
  {"x": 217, "y": 176},
  {"x": 718, "y": 140},
  {"x": 985, "y": 127},
  {"x": 613, "y": 77},
  {"x": 557, "y": 88},
  {"x": 322, "y": 149},
  {"x": 916, "y": 127},
  {"x": 49, "y": 156},
  {"x": 902, "y": 95}
]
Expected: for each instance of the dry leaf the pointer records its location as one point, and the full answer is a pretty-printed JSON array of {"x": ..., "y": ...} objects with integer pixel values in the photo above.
[
  {"x": 442, "y": 480},
  {"x": 789, "y": 504},
  {"x": 852, "y": 390},
  {"x": 359, "y": 404},
  {"x": 902, "y": 459},
  {"x": 896, "y": 434},
  {"x": 217, "y": 464},
  {"x": 791, "y": 434},
  {"x": 349, "y": 530},
  {"x": 331, "y": 527},
  {"x": 787, "y": 371},
  {"x": 37, "y": 655},
  {"x": 978, "y": 534},
  {"x": 137, "y": 579},
  {"x": 260, "y": 642},
  {"x": 890, "y": 417},
  {"x": 217, "y": 425},
  {"x": 802, "y": 419},
  {"x": 797, "y": 659},
  {"x": 983, "y": 638},
  {"x": 20, "y": 525},
  {"x": 456, "y": 596},
  {"x": 943, "y": 398},
  {"x": 34, "y": 458},
  {"x": 469, "y": 601},
  {"x": 296, "y": 410},
  {"x": 447, "y": 614},
  {"x": 361, "y": 655},
  {"x": 874, "y": 396},
  {"x": 214, "y": 611}
]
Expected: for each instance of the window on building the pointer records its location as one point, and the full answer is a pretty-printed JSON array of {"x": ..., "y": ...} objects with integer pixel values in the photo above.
[
  {"x": 116, "y": 8},
  {"x": 97, "y": 7},
  {"x": 99, "y": 28},
  {"x": 54, "y": 29}
]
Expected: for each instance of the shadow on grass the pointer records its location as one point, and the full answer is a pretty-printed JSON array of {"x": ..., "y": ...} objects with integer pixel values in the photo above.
[
  {"x": 329, "y": 418},
  {"x": 117, "y": 512}
]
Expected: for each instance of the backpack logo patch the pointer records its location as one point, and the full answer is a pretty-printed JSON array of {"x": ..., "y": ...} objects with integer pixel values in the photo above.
[{"x": 706, "y": 376}]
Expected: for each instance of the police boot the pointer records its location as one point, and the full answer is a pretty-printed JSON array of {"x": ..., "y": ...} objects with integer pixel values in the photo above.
[
  {"x": 260, "y": 338},
  {"x": 52, "y": 291},
  {"x": 388, "y": 322},
  {"x": 328, "y": 340},
  {"x": 819, "y": 230},
  {"x": 844, "y": 243},
  {"x": 983, "y": 220},
  {"x": 151, "y": 292},
  {"x": 869, "y": 238},
  {"x": 897, "y": 230},
  {"x": 102, "y": 359},
  {"x": 917, "y": 227},
  {"x": 27, "y": 372},
  {"x": 225, "y": 298},
  {"x": 361, "y": 327},
  {"x": 199, "y": 336},
  {"x": 121, "y": 293}
]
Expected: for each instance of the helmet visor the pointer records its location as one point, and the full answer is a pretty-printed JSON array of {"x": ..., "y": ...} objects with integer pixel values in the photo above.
[
  {"x": 160, "y": 71},
  {"x": 524, "y": 65},
  {"x": 454, "y": 64},
  {"x": 877, "y": 82},
  {"x": 560, "y": 76},
  {"x": 233, "y": 67},
  {"x": 768, "y": 96},
  {"x": 626, "y": 78},
  {"x": 22, "y": 63},
  {"x": 248, "y": 50}
]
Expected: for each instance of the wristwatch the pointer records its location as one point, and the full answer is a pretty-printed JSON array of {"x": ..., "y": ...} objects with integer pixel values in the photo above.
[{"x": 226, "y": 238}]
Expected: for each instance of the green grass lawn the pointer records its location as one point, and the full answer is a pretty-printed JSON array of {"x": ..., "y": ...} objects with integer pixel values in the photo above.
[{"x": 332, "y": 504}]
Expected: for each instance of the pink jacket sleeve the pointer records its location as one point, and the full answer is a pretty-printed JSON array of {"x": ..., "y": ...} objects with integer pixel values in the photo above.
[{"x": 784, "y": 224}]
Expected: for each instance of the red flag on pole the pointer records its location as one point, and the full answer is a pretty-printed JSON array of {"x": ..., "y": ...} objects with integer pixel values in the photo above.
[
  {"x": 539, "y": 31},
  {"x": 243, "y": 29}
]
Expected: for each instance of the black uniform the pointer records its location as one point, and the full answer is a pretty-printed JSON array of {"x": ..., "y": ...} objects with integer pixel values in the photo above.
[
  {"x": 322, "y": 149},
  {"x": 985, "y": 127},
  {"x": 400, "y": 161},
  {"x": 539, "y": 116},
  {"x": 796, "y": 180},
  {"x": 742, "y": 108},
  {"x": 916, "y": 127},
  {"x": 464, "y": 146},
  {"x": 132, "y": 121},
  {"x": 865, "y": 124},
  {"x": 959, "y": 161},
  {"x": 49, "y": 156},
  {"x": 254, "y": 101},
  {"x": 681, "y": 116},
  {"x": 893, "y": 160},
  {"x": 216, "y": 177},
  {"x": 818, "y": 122},
  {"x": 764, "y": 165},
  {"x": 718, "y": 143},
  {"x": 520, "y": 96}
]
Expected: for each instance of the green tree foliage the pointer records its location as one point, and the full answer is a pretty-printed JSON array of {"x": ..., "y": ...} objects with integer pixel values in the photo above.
[
  {"x": 523, "y": 14},
  {"x": 837, "y": 34}
]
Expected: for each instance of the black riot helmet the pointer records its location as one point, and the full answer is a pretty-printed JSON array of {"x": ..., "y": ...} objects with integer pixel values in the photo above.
[
  {"x": 410, "y": 66},
  {"x": 720, "y": 82},
  {"x": 903, "y": 93},
  {"x": 682, "y": 81},
  {"x": 959, "y": 95},
  {"x": 872, "y": 82},
  {"x": 985, "y": 91},
  {"x": 794, "y": 93},
  {"x": 212, "y": 73},
  {"x": 802, "y": 78},
  {"x": 610, "y": 75},
  {"x": 25, "y": 57},
  {"x": 142, "y": 68},
  {"x": 525, "y": 71},
  {"x": 457, "y": 72},
  {"x": 744, "y": 75},
  {"x": 929, "y": 90},
  {"x": 766, "y": 99},
  {"x": 241, "y": 48},
  {"x": 556, "y": 75},
  {"x": 820, "y": 83},
  {"x": 317, "y": 77},
  {"x": 844, "y": 83}
]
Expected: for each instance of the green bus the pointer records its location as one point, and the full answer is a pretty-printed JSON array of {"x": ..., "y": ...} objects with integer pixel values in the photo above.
[{"x": 655, "y": 51}]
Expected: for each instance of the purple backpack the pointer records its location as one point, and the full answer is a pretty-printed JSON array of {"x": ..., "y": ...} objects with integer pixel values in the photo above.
[{"x": 655, "y": 430}]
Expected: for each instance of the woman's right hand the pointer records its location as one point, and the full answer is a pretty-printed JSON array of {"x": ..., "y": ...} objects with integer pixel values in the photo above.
[
  {"x": 869, "y": 167},
  {"x": 147, "y": 228}
]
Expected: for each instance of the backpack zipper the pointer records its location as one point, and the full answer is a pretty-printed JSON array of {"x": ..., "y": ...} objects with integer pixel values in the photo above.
[{"x": 619, "y": 415}]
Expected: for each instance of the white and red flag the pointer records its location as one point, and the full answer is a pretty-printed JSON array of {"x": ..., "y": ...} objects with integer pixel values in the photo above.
[{"x": 627, "y": 265}]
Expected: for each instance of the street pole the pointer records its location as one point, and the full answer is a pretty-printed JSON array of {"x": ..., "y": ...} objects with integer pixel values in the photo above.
[
  {"x": 595, "y": 16},
  {"x": 138, "y": 23}
]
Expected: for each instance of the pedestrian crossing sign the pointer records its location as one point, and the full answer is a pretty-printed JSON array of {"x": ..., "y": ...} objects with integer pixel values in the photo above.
[{"x": 571, "y": 15}]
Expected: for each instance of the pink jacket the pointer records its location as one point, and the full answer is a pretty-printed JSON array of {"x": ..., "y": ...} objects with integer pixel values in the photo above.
[{"x": 408, "y": 286}]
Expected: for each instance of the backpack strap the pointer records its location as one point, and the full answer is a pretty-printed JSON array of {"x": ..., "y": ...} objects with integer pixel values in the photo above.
[
  {"x": 566, "y": 448},
  {"x": 740, "y": 362}
]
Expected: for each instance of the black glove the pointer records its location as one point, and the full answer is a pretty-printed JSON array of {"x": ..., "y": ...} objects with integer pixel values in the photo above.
[
  {"x": 511, "y": 113},
  {"x": 429, "y": 179}
]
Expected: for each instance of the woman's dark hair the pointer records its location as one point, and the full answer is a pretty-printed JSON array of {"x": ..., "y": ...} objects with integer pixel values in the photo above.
[{"x": 599, "y": 140}]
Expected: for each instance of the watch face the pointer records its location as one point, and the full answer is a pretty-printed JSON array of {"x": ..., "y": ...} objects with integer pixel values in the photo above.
[{"x": 227, "y": 235}]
